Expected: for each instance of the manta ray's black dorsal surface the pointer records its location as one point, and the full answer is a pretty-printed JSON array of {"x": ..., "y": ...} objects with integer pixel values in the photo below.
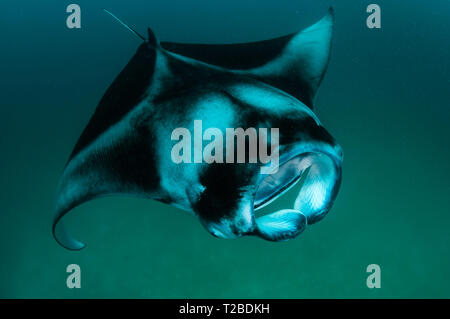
[
  {"x": 127, "y": 146},
  {"x": 300, "y": 77}
]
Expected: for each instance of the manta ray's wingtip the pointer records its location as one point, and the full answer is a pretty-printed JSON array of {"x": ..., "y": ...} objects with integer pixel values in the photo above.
[
  {"x": 62, "y": 237},
  {"x": 69, "y": 243},
  {"x": 331, "y": 14},
  {"x": 327, "y": 20},
  {"x": 65, "y": 240},
  {"x": 331, "y": 11}
]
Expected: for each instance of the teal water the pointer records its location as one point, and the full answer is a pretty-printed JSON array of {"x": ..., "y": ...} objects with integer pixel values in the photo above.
[{"x": 385, "y": 98}]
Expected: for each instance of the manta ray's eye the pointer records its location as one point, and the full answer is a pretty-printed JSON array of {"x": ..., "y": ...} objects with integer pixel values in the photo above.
[{"x": 318, "y": 177}]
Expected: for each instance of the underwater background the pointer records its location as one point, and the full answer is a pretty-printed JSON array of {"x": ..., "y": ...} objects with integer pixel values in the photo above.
[{"x": 385, "y": 98}]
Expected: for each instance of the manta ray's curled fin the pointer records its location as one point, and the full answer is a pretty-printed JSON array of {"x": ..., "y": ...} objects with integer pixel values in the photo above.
[
  {"x": 281, "y": 226},
  {"x": 295, "y": 63}
]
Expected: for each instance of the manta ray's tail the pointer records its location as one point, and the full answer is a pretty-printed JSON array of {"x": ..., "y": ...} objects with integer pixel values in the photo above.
[
  {"x": 152, "y": 40},
  {"x": 125, "y": 25}
]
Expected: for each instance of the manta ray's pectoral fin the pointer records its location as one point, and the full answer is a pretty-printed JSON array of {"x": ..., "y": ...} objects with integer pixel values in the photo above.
[
  {"x": 120, "y": 162},
  {"x": 115, "y": 154},
  {"x": 300, "y": 67},
  {"x": 294, "y": 63}
]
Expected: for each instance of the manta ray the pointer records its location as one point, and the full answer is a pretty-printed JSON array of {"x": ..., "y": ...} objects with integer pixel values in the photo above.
[{"x": 125, "y": 148}]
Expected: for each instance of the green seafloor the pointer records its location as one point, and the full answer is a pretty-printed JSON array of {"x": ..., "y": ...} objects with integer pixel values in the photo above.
[{"x": 385, "y": 98}]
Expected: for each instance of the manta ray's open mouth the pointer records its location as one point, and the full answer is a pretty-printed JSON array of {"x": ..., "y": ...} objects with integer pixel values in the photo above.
[{"x": 320, "y": 178}]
